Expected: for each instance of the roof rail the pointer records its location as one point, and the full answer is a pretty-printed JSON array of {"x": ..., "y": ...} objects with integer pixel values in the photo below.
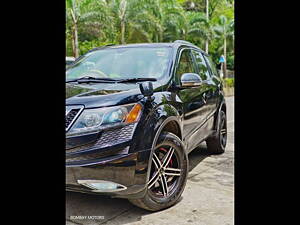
[{"x": 182, "y": 41}]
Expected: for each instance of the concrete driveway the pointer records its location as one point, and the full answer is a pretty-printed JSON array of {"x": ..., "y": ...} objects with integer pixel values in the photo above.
[{"x": 207, "y": 200}]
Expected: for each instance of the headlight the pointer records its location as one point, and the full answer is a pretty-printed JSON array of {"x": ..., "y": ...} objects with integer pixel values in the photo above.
[{"x": 92, "y": 120}]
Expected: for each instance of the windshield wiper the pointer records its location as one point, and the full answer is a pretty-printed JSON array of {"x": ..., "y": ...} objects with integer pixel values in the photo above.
[
  {"x": 88, "y": 79},
  {"x": 136, "y": 80}
]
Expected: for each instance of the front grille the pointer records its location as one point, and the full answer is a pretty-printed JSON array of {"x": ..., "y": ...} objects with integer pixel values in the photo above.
[{"x": 71, "y": 114}]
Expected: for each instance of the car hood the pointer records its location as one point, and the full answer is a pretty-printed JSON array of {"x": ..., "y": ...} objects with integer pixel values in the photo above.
[{"x": 103, "y": 94}]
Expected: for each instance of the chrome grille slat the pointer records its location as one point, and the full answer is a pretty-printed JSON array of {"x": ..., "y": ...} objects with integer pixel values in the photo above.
[{"x": 72, "y": 112}]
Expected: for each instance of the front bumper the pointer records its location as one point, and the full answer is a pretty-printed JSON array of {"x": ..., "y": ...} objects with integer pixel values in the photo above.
[
  {"x": 129, "y": 170},
  {"x": 119, "y": 154}
]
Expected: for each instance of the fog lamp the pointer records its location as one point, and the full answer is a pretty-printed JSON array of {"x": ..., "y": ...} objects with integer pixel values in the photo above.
[{"x": 102, "y": 185}]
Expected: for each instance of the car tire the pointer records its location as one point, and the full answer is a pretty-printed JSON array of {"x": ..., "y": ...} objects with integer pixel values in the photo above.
[
  {"x": 163, "y": 188},
  {"x": 217, "y": 143}
]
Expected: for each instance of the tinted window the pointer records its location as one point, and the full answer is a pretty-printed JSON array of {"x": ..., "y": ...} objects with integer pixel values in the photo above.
[
  {"x": 185, "y": 64},
  {"x": 122, "y": 63},
  {"x": 212, "y": 65},
  {"x": 201, "y": 65}
]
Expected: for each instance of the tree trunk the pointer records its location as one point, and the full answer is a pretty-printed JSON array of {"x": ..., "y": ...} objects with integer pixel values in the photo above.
[
  {"x": 225, "y": 63},
  {"x": 76, "y": 46},
  {"x": 161, "y": 35},
  {"x": 207, "y": 20},
  {"x": 123, "y": 31},
  {"x": 73, "y": 44},
  {"x": 122, "y": 16},
  {"x": 75, "y": 34}
]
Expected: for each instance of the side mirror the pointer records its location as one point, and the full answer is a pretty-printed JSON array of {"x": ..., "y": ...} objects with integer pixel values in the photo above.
[
  {"x": 190, "y": 80},
  {"x": 146, "y": 88}
]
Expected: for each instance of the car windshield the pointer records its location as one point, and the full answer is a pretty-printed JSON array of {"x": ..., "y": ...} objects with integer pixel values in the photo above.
[{"x": 122, "y": 63}]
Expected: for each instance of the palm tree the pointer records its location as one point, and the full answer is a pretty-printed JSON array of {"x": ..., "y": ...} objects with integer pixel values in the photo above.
[
  {"x": 91, "y": 23},
  {"x": 84, "y": 12},
  {"x": 207, "y": 20},
  {"x": 121, "y": 11},
  {"x": 152, "y": 19},
  {"x": 200, "y": 28},
  {"x": 71, "y": 13},
  {"x": 225, "y": 31}
]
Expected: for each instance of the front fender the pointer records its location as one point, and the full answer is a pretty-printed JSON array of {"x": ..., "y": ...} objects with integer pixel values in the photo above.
[
  {"x": 153, "y": 121},
  {"x": 156, "y": 120}
]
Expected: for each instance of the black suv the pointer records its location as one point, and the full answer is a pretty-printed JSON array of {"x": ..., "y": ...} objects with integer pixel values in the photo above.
[{"x": 133, "y": 113}]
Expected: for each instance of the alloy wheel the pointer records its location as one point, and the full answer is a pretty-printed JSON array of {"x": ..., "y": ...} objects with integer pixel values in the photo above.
[
  {"x": 223, "y": 132},
  {"x": 165, "y": 172}
]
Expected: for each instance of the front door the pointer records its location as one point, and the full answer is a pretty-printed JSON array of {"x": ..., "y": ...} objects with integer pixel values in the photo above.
[
  {"x": 215, "y": 84},
  {"x": 193, "y": 101},
  {"x": 208, "y": 83}
]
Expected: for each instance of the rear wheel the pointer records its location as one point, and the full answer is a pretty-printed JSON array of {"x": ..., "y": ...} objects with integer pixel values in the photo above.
[
  {"x": 217, "y": 143},
  {"x": 168, "y": 174}
]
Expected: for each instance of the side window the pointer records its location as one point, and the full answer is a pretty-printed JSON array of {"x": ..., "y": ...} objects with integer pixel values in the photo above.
[
  {"x": 185, "y": 65},
  {"x": 201, "y": 65},
  {"x": 212, "y": 65}
]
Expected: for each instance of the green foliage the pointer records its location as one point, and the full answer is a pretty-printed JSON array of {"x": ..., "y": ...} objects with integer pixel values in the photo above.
[
  {"x": 85, "y": 46},
  {"x": 100, "y": 22},
  {"x": 228, "y": 82},
  {"x": 230, "y": 62}
]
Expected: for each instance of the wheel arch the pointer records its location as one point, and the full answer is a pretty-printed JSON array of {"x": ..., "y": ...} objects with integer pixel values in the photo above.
[
  {"x": 168, "y": 120},
  {"x": 222, "y": 107},
  {"x": 169, "y": 124}
]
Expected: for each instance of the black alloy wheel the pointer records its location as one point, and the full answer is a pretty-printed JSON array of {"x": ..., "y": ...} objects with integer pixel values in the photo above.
[
  {"x": 168, "y": 174},
  {"x": 217, "y": 143},
  {"x": 165, "y": 172},
  {"x": 223, "y": 130}
]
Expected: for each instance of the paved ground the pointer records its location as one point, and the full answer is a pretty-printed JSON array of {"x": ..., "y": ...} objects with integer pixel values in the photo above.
[{"x": 207, "y": 199}]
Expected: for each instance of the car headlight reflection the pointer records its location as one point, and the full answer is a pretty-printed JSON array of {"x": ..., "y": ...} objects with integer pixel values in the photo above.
[{"x": 92, "y": 120}]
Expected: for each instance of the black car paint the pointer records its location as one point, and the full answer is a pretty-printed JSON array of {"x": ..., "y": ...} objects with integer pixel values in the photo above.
[{"x": 195, "y": 116}]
